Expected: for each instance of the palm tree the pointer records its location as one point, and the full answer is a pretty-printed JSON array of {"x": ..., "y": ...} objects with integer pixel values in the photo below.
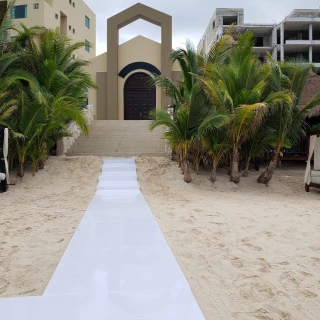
[
  {"x": 25, "y": 126},
  {"x": 240, "y": 85},
  {"x": 49, "y": 92},
  {"x": 8, "y": 64},
  {"x": 287, "y": 120},
  {"x": 192, "y": 119},
  {"x": 218, "y": 144}
]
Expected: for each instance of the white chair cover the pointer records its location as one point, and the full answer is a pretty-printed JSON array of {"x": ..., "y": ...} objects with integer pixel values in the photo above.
[
  {"x": 5, "y": 152},
  {"x": 307, "y": 177}
]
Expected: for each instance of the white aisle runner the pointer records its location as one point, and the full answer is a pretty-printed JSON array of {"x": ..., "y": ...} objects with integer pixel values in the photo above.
[{"x": 117, "y": 265}]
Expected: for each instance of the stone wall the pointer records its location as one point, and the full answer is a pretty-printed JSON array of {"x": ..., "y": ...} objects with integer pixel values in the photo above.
[{"x": 64, "y": 144}]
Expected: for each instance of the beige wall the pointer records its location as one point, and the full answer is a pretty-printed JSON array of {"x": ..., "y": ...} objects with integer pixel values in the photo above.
[
  {"x": 139, "y": 49},
  {"x": 75, "y": 17},
  {"x": 97, "y": 64}
]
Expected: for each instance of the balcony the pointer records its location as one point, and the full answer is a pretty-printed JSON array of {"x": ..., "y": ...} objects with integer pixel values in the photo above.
[{"x": 302, "y": 42}]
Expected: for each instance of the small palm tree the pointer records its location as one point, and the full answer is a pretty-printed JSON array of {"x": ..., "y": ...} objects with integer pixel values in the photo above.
[
  {"x": 287, "y": 120},
  {"x": 218, "y": 143},
  {"x": 192, "y": 120}
]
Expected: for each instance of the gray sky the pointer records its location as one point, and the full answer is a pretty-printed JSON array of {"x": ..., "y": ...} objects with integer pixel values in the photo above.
[{"x": 190, "y": 18}]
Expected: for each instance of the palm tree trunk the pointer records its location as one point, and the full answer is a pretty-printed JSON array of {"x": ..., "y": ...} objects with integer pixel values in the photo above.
[
  {"x": 246, "y": 169},
  {"x": 197, "y": 163},
  {"x": 266, "y": 176},
  {"x": 21, "y": 169},
  {"x": 181, "y": 162},
  {"x": 213, "y": 177},
  {"x": 235, "y": 175},
  {"x": 186, "y": 173}
]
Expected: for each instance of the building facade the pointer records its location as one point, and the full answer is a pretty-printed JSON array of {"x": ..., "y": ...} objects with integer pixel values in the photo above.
[
  {"x": 297, "y": 36},
  {"x": 123, "y": 74},
  {"x": 74, "y": 18}
]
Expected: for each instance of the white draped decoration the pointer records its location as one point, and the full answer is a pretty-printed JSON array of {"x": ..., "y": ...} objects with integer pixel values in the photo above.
[
  {"x": 5, "y": 151},
  {"x": 307, "y": 177}
]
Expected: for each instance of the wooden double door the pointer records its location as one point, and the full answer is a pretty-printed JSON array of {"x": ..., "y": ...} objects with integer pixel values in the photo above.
[{"x": 139, "y": 97}]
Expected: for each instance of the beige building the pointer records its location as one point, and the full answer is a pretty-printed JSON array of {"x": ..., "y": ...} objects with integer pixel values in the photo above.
[
  {"x": 73, "y": 17},
  {"x": 123, "y": 74}
]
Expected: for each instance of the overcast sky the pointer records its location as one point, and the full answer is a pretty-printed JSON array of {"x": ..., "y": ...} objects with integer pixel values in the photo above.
[{"x": 190, "y": 17}]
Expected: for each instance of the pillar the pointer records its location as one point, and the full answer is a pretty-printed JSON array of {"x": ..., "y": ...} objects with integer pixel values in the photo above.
[
  {"x": 282, "y": 41},
  {"x": 274, "y": 42},
  {"x": 310, "y": 54},
  {"x": 310, "y": 32}
]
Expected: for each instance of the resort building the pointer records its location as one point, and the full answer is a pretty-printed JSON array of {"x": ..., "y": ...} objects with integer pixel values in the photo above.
[
  {"x": 73, "y": 17},
  {"x": 123, "y": 73},
  {"x": 297, "y": 36}
]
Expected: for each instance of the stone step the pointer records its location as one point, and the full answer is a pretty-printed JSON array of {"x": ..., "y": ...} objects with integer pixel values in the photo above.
[{"x": 120, "y": 139}]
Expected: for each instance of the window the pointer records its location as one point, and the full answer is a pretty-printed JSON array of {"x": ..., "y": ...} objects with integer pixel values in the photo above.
[
  {"x": 70, "y": 1},
  {"x": 87, "y": 47},
  {"x": 19, "y": 12},
  {"x": 70, "y": 28},
  {"x": 74, "y": 5},
  {"x": 13, "y": 39},
  {"x": 87, "y": 22},
  {"x": 57, "y": 16},
  {"x": 74, "y": 30},
  {"x": 36, "y": 6}
]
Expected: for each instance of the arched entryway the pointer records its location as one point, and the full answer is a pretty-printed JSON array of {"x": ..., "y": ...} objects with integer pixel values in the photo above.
[{"x": 139, "y": 97}]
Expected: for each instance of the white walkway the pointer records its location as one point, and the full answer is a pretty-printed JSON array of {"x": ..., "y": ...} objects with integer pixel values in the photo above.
[{"x": 117, "y": 265}]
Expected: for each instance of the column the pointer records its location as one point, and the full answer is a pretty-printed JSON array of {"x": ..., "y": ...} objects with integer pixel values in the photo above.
[
  {"x": 310, "y": 32},
  {"x": 282, "y": 41},
  {"x": 310, "y": 55},
  {"x": 275, "y": 43}
]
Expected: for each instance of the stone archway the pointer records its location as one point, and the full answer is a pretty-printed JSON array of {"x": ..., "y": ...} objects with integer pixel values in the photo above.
[
  {"x": 115, "y": 23},
  {"x": 139, "y": 97}
]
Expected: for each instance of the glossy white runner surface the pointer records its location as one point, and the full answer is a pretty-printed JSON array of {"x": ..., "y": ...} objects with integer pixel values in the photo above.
[{"x": 118, "y": 264}]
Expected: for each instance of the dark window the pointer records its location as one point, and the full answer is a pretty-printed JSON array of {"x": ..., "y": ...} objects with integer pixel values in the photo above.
[
  {"x": 87, "y": 22},
  {"x": 87, "y": 47},
  {"x": 74, "y": 30},
  {"x": 36, "y": 6},
  {"x": 258, "y": 42},
  {"x": 19, "y": 12},
  {"x": 74, "y": 5},
  {"x": 229, "y": 20},
  {"x": 70, "y": 28},
  {"x": 214, "y": 25},
  {"x": 57, "y": 16},
  {"x": 70, "y": 1}
]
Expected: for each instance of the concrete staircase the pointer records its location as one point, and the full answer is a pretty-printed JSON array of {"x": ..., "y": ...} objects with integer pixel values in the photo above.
[{"x": 116, "y": 138}]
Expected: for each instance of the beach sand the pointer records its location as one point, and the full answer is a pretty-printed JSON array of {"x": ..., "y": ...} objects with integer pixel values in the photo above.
[{"x": 248, "y": 252}]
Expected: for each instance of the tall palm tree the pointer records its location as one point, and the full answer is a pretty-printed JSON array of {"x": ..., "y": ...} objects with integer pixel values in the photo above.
[
  {"x": 287, "y": 121},
  {"x": 241, "y": 87}
]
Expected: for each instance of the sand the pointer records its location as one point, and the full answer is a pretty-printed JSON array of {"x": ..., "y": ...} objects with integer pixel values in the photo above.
[
  {"x": 248, "y": 252},
  {"x": 38, "y": 217}
]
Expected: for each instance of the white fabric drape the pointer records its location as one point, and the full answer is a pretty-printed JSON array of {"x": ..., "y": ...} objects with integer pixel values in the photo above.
[
  {"x": 307, "y": 177},
  {"x": 5, "y": 151}
]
